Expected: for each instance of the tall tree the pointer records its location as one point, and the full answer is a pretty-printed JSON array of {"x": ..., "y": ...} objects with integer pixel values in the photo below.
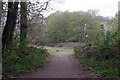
[
  {"x": 71, "y": 26},
  {"x": 33, "y": 11},
  {"x": 23, "y": 27},
  {"x": 8, "y": 32}
]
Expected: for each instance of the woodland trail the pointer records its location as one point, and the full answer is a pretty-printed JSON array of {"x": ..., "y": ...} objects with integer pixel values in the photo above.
[{"x": 60, "y": 66}]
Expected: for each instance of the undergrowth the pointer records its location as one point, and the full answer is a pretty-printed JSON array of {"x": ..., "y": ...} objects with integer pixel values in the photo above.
[
  {"x": 101, "y": 54},
  {"x": 15, "y": 63},
  {"x": 102, "y": 68}
]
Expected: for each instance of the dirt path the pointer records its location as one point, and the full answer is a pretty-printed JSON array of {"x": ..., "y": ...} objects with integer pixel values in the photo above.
[{"x": 60, "y": 66}]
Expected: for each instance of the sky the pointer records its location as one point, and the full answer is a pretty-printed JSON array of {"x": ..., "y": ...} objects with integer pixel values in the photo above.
[{"x": 105, "y": 7}]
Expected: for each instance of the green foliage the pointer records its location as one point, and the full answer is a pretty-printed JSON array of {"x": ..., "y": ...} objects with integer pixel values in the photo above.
[
  {"x": 103, "y": 68},
  {"x": 37, "y": 35},
  {"x": 14, "y": 62},
  {"x": 103, "y": 51},
  {"x": 71, "y": 27}
]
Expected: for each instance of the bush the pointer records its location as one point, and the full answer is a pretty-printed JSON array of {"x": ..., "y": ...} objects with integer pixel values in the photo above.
[
  {"x": 104, "y": 48},
  {"x": 15, "y": 63}
]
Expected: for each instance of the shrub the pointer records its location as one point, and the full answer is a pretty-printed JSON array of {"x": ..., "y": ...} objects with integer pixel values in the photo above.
[
  {"x": 15, "y": 63},
  {"x": 102, "y": 49}
]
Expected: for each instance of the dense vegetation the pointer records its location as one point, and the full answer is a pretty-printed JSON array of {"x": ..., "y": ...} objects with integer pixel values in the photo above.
[
  {"x": 71, "y": 26},
  {"x": 76, "y": 26},
  {"x": 32, "y": 58},
  {"x": 101, "y": 54},
  {"x": 17, "y": 19}
]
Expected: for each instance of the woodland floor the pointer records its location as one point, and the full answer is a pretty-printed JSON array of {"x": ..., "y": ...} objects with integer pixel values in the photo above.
[{"x": 61, "y": 65}]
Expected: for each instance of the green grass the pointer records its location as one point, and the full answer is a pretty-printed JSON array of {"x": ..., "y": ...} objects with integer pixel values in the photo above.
[
  {"x": 102, "y": 68},
  {"x": 53, "y": 50}
]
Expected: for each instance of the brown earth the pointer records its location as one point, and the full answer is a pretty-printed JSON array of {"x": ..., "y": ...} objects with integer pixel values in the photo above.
[{"x": 60, "y": 66}]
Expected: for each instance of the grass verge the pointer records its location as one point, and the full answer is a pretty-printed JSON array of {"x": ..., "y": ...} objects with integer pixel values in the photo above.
[{"x": 103, "y": 68}]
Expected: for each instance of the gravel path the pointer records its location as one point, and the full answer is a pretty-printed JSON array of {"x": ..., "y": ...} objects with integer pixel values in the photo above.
[{"x": 60, "y": 66}]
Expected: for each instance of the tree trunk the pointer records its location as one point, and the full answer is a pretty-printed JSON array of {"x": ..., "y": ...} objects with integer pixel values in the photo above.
[
  {"x": 23, "y": 28},
  {"x": 14, "y": 20},
  {"x": 10, "y": 23},
  {"x": 6, "y": 32},
  {"x": 7, "y": 36}
]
